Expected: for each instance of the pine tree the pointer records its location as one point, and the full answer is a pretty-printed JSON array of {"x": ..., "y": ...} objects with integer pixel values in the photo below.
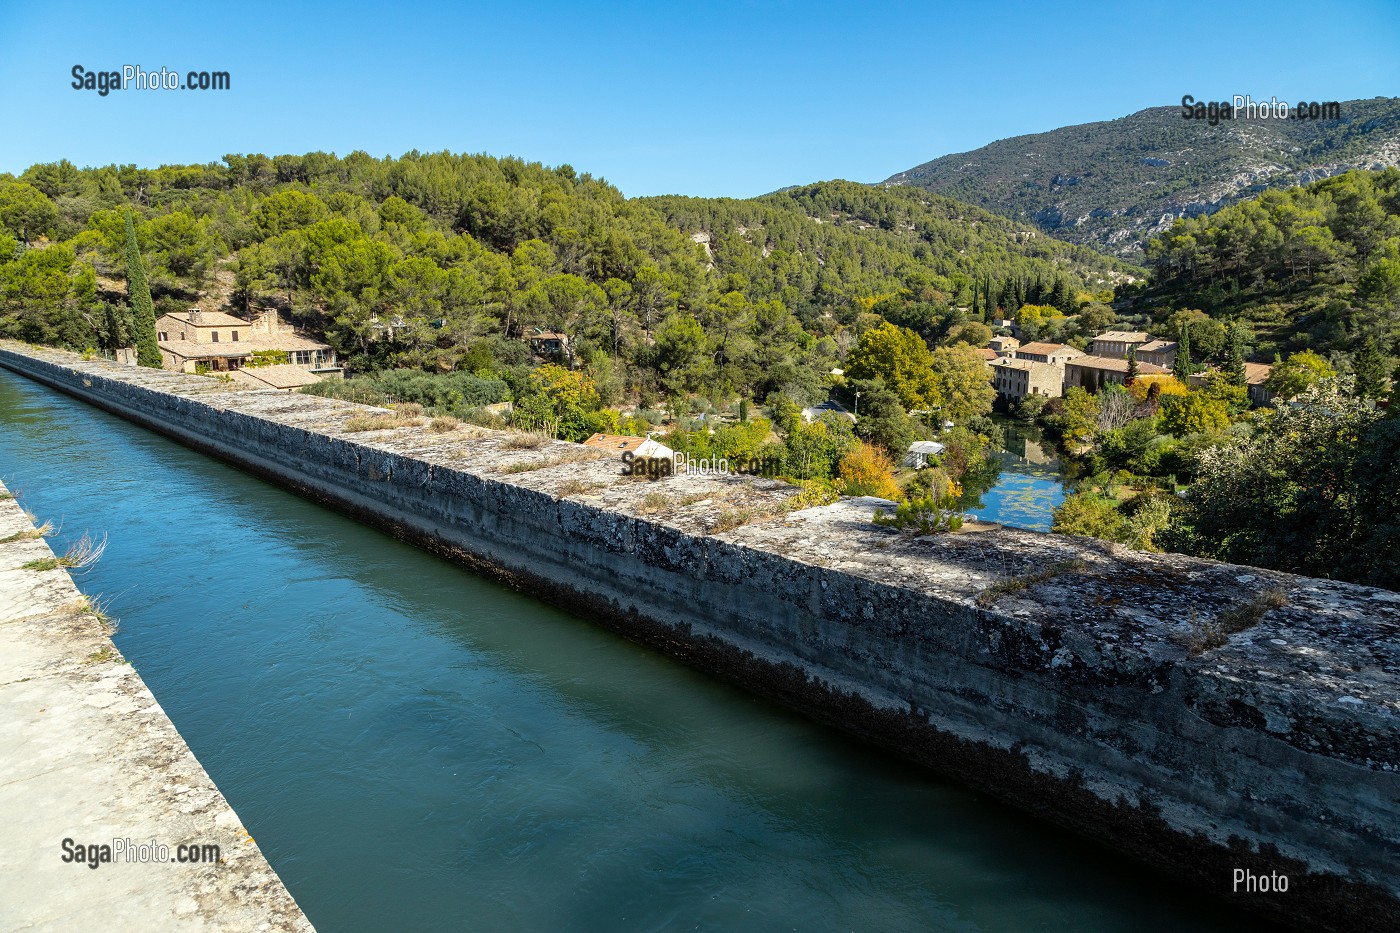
[
  {"x": 1181, "y": 366},
  {"x": 1370, "y": 370},
  {"x": 1132, "y": 366},
  {"x": 1233, "y": 369},
  {"x": 138, "y": 293}
]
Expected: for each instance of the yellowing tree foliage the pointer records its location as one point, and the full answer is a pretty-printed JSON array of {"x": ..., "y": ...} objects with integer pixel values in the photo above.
[
  {"x": 1166, "y": 385},
  {"x": 900, "y": 358},
  {"x": 1194, "y": 413},
  {"x": 866, "y": 471}
]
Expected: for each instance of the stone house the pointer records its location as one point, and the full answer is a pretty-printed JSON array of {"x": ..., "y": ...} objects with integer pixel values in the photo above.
[
  {"x": 1015, "y": 379},
  {"x": 211, "y": 341},
  {"x": 1115, "y": 343},
  {"x": 1003, "y": 345},
  {"x": 1056, "y": 354},
  {"x": 1094, "y": 372},
  {"x": 1255, "y": 375},
  {"x": 1158, "y": 353}
]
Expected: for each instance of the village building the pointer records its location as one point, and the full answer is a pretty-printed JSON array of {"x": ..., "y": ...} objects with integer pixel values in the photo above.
[
  {"x": 1095, "y": 372},
  {"x": 548, "y": 343},
  {"x": 211, "y": 341},
  {"x": 1255, "y": 375},
  {"x": 619, "y": 444},
  {"x": 987, "y": 354},
  {"x": 1015, "y": 379},
  {"x": 919, "y": 452},
  {"x": 1158, "y": 353},
  {"x": 1003, "y": 345},
  {"x": 1056, "y": 354},
  {"x": 1115, "y": 343}
]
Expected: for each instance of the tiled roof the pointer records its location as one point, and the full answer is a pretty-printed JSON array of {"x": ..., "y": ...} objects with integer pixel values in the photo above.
[
  {"x": 1124, "y": 336},
  {"x": 209, "y": 319},
  {"x": 280, "y": 376},
  {"x": 285, "y": 342},
  {"x": 1113, "y": 364},
  {"x": 1045, "y": 349},
  {"x": 255, "y": 342},
  {"x": 1155, "y": 346},
  {"x": 1256, "y": 373},
  {"x": 617, "y": 442}
]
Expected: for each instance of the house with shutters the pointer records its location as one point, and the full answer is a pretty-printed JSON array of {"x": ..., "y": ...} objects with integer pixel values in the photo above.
[{"x": 197, "y": 341}]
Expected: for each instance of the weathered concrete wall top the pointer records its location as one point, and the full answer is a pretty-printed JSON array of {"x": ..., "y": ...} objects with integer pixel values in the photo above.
[
  {"x": 1061, "y": 674},
  {"x": 90, "y": 756}
]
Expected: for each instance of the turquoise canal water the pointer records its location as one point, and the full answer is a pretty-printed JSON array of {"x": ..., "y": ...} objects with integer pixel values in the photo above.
[
  {"x": 416, "y": 748},
  {"x": 1029, "y": 485}
]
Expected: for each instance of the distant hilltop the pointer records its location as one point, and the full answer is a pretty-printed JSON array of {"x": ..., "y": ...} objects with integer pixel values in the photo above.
[{"x": 1112, "y": 185}]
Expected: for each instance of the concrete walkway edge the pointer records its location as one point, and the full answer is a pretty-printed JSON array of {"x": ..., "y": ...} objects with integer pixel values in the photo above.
[{"x": 88, "y": 755}]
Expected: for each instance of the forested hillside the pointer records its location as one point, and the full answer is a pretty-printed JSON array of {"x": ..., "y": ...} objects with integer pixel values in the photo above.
[
  {"x": 444, "y": 261},
  {"x": 1114, "y": 184},
  {"x": 1313, "y": 268}
]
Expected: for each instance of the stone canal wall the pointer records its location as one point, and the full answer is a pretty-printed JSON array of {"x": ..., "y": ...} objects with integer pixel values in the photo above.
[
  {"x": 1077, "y": 680},
  {"x": 92, "y": 763}
]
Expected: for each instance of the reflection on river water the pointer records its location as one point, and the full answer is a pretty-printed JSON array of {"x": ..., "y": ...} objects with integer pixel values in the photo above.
[{"x": 1024, "y": 486}]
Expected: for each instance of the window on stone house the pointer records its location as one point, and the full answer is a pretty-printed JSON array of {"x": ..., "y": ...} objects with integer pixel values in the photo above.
[
  {"x": 235, "y": 336},
  {"x": 213, "y": 336}
]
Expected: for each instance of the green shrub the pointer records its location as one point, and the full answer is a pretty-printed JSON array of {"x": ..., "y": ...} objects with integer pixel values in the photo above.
[{"x": 923, "y": 516}]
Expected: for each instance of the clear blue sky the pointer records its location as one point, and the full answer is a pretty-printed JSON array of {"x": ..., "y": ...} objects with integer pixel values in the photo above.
[{"x": 702, "y": 98}]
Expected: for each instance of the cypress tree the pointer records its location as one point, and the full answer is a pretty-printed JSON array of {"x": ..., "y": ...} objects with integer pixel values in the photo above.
[
  {"x": 1234, "y": 355},
  {"x": 1132, "y": 366},
  {"x": 1008, "y": 297},
  {"x": 138, "y": 293},
  {"x": 1181, "y": 366},
  {"x": 1370, "y": 370}
]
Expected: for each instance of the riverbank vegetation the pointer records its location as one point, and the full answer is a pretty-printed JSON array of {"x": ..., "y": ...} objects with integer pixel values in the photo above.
[{"x": 1310, "y": 485}]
